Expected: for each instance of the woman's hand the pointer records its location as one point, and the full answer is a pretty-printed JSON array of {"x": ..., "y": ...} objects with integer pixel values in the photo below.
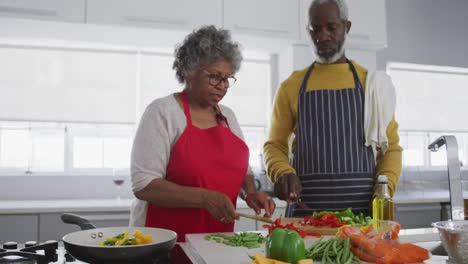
[
  {"x": 260, "y": 200},
  {"x": 219, "y": 206}
]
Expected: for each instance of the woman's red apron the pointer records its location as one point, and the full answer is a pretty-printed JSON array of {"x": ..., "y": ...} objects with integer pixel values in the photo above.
[{"x": 214, "y": 159}]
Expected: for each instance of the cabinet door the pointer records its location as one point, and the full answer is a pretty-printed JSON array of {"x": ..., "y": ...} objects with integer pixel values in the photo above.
[
  {"x": 368, "y": 18},
  {"x": 245, "y": 224},
  {"x": 174, "y": 14},
  {"x": 273, "y": 18},
  {"x": 18, "y": 228},
  {"x": 51, "y": 226},
  {"x": 59, "y": 10},
  {"x": 417, "y": 215},
  {"x": 369, "y": 22}
]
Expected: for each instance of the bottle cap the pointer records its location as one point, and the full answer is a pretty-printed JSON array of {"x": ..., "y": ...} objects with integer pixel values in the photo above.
[{"x": 382, "y": 179}]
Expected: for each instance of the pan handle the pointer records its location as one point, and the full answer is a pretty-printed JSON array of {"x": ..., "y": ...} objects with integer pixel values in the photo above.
[{"x": 74, "y": 219}]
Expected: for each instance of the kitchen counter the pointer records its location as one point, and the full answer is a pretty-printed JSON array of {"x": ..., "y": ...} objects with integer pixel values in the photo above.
[
  {"x": 202, "y": 251},
  {"x": 85, "y": 205}
]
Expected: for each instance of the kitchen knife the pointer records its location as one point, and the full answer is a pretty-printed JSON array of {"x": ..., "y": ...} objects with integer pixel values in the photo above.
[{"x": 298, "y": 200}]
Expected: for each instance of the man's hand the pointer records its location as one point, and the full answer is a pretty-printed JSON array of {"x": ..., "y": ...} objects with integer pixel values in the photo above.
[{"x": 288, "y": 187}]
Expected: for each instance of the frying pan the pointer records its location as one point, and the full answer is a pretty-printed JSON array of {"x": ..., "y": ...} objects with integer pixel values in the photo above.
[{"x": 83, "y": 245}]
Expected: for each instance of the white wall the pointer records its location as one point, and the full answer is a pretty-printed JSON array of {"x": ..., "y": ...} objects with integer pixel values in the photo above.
[{"x": 426, "y": 32}]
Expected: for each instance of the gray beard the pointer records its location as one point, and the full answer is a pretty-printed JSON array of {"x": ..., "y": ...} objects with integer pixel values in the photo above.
[{"x": 333, "y": 58}]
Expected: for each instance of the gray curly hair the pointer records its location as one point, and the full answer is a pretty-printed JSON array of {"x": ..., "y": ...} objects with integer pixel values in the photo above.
[
  {"x": 341, "y": 4},
  {"x": 203, "y": 46}
]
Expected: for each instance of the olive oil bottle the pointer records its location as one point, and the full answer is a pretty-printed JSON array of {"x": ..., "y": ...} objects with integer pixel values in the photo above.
[{"x": 382, "y": 205}]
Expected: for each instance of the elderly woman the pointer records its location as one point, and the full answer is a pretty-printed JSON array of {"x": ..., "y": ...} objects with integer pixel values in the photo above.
[{"x": 189, "y": 159}]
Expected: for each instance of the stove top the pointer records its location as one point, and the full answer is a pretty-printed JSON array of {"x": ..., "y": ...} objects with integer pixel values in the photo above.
[
  {"x": 50, "y": 253},
  {"x": 32, "y": 252}
]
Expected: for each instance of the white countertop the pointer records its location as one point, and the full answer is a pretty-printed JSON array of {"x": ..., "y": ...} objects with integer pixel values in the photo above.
[
  {"x": 85, "y": 205},
  {"x": 201, "y": 251}
]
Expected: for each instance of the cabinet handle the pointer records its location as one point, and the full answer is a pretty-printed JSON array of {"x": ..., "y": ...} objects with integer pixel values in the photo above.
[
  {"x": 28, "y": 11},
  {"x": 256, "y": 29},
  {"x": 155, "y": 20}
]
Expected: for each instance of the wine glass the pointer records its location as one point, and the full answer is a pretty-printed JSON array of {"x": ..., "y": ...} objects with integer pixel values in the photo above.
[{"x": 118, "y": 177}]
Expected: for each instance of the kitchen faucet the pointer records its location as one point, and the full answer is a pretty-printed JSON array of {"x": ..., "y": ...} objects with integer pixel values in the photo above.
[{"x": 454, "y": 178}]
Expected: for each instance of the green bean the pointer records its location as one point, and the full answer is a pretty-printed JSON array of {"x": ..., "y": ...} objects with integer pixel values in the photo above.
[
  {"x": 334, "y": 246},
  {"x": 346, "y": 251},
  {"x": 356, "y": 259},
  {"x": 333, "y": 250},
  {"x": 244, "y": 239}
]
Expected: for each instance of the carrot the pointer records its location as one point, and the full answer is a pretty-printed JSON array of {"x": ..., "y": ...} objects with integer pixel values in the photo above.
[
  {"x": 363, "y": 255},
  {"x": 412, "y": 253}
]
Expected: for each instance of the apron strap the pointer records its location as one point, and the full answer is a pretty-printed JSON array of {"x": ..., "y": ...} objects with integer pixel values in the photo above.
[
  {"x": 183, "y": 95},
  {"x": 357, "y": 82},
  {"x": 220, "y": 118},
  {"x": 306, "y": 78}
]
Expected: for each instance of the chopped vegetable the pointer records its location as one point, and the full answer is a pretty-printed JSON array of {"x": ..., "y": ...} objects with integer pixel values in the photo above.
[
  {"x": 277, "y": 224},
  {"x": 337, "y": 218},
  {"x": 285, "y": 245},
  {"x": 260, "y": 259},
  {"x": 123, "y": 240},
  {"x": 244, "y": 239}
]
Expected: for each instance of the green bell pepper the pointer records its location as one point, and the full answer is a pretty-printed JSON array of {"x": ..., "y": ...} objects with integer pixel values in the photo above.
[{"x": 285, "y": 245}]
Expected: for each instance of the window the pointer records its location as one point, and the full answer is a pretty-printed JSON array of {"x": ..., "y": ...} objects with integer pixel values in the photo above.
[
  {"x": 100, "y": 146},
  {"x": 429, "y": 102},
  {"x": 37, "y": 148},
  {"x": 74, "y": 110}
]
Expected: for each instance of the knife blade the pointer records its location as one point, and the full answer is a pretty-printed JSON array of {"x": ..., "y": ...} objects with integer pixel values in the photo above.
[
  {"x": 302, "y": 204},
  {"x": 298, "y": 200}
]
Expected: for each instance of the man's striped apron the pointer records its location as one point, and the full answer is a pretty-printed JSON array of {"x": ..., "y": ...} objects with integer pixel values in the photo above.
[{"x": 335, "y": 167}]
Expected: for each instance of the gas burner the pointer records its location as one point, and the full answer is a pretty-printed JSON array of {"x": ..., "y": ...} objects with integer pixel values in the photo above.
[{"x": 11, "y": 254}]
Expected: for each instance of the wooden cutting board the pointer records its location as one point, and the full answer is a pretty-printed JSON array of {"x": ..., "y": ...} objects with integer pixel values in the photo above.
[{"x": 331, "y": 231}]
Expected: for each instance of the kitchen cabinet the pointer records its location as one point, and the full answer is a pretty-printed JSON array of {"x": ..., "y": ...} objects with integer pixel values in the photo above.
[
  {"x": 18, "y": 228},
  {"x": 368, "y": 28},
  {"x": 417, "y": 215},
  {"x": 51, "y": 226},
  {"x": 58, "y": 10},
  {"x": 245, "y": 224},
  {"x": 270, "y": 18},
  {"x": 174, "y": 14}
]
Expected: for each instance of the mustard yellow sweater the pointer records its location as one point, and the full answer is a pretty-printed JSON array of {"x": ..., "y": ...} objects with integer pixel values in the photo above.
[{"x": 284, "y": 120}]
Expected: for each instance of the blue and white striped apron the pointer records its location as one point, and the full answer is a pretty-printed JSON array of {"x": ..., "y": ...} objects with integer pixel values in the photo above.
[{"x": 336, "y": 169}]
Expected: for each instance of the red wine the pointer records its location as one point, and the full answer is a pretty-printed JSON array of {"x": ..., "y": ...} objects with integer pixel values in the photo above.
[{"x": 119, "y": 182}]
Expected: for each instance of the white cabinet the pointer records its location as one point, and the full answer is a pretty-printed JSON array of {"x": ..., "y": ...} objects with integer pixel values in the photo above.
[
  {"x": 51, "y": 226},
  {"x": 174, "y": 14},
  {"x": 18, "y": 228},
  {"x": 59, "y": 10},
  {"x": 369, "y": 22},
  {"x": 245, "y": 224},
  {"x": 271, "y": 18},
  {"x": 368, "y": 28}
]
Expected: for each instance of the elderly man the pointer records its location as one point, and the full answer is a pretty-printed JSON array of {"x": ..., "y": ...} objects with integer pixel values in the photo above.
[{"x": 334, "y": 165}]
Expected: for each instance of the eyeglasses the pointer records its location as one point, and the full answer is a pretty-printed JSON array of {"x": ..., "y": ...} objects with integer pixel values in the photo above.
[{"x": 215, "y": 79}]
